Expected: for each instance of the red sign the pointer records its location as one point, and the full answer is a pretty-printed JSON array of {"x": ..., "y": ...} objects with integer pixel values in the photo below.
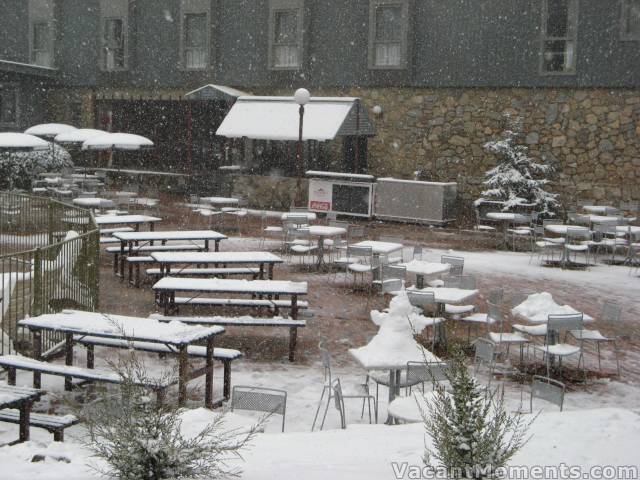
[{"x": 321, "y": 206}]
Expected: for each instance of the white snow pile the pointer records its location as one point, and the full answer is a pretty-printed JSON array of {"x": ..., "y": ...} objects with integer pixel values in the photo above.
[
  {"x": 394, "y": 341},
  {"x": 538, "y": 306}
]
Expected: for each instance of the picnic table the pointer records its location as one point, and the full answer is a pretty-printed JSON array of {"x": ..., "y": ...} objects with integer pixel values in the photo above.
[
  {"x": 167, "y": 287},
  {"x": 94, "y": 202},
  {"x": 21, "y": 398},
  {"x": 104, "y": 220},
  {"x": 425, "y": 270},
  {"x": 323, "y": 232},
  {"x": 174, "y": 335},
  {"x": 261, "y": 259}
]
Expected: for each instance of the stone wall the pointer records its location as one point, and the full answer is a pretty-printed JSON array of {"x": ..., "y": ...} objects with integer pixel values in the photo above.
[{"x": 592, "y": 137}]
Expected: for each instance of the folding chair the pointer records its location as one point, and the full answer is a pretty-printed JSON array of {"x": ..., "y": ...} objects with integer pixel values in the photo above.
[{"x": 258, "y": 399}]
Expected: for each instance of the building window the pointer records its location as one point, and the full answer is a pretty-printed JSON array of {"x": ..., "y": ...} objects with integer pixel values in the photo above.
[
  {"x": 285, "y": 39},
  {"x": 560, "y": 33},
  {"x": 195, "y": 41},
  {"x": 8, "y": 106},
  {"x": 113, "y": 41},
  {"x": 630, "y": 20},
  {"x": 388, "y": 27},
  {"x": 41, "y": 52}
]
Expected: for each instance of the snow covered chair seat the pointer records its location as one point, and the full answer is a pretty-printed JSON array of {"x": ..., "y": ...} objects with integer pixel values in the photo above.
[{"x": 52, "y": 423}]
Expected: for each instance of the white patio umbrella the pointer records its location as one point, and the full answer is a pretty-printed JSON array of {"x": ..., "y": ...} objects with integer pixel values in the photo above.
[
  {"x": 77, "y": 136},
  {"x": 49, "y": 130},
  {"x": 11, "y": 141},
  {"x": 118, "y": 141}
]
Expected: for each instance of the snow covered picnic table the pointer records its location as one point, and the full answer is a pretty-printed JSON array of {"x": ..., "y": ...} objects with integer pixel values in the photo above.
[
  {"x": 103, "y": 220},
  {"x": 178, "y": 336},
  {"x": 538, "y": 306},
  {"x": 167, "y": 287},
  {"x": 425, "y": 270},
  {"x": 130, "y": 241},
  {"x": 262, "y": 259},
  {"x": 21, "y": 398}
]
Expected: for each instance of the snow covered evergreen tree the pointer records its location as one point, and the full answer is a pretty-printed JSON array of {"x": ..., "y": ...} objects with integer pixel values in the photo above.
[
  {"x": 517, "y": 180},
  {"x": 19, "y": 169},
  {"x": 471, "y": 433}
]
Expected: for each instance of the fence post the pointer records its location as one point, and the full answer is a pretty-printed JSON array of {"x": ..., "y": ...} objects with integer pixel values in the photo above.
[
  {"x": 50, "y": 207},
  {"x": 94, "y": 272},
  {"x": 37, "y": 282}
]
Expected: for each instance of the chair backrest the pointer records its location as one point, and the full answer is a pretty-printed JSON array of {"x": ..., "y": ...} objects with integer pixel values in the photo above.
[
  {"x": 421, "y": 299},
  {"x": 577, "y": 234},
  {"x": 296, "y": 220},
  {"x": 331, "y": 216},
  {"x": 365, "y": 254},
  {"x": 467, "y": 282},
  {"x": 433, "y": 372},
  {"x": 339, "y": 224},
  {"x": 259, "y": 399},
  {"x": 547, "y": 389},
  {"x": 390, "y": 271},
  {"x": 326, "y": 363},
  {"x": 392, "y": 285},
  {"x": 457, "y": 264},
  {"x": 339, "y": 401},
  {"x": 417, "y": 252},
  {"x": 484, "y": 350},
  {"x": 496, "y": 296},
  {"x": 556, "y": 324},
  {"x": 299, "y": 209},
  {"x": 356, "y": 231},
  {"x": 495, "y": 314},
  {"x": 194, "y": 199},
  {"x": 611, "y": 312}
]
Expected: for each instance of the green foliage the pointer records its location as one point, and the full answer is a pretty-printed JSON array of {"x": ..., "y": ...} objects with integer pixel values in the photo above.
[
  {"x": 19, "y": 169},
  {"x": 471, "y": 432}
]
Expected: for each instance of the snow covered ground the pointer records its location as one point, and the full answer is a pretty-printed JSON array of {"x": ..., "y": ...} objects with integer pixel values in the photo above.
[{"x": 589, "y": 432}]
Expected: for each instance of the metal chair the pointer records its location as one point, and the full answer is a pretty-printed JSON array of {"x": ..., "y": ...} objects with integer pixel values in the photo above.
[
  {"x": 478, "y": 318},
  {"x": 480, "y": 226},
  {"x": 457, "y": 264},
  {"x": 505, "y": 338},
  {"x": 426, "y": 301},
  {"x": 485, "y": 353},
  {"x": 268, "y": 231},
  {"x": 361, "y": 391},
  {"x": 356, "y": 233},
  {"x": 556, "y": 326},
  {"x": 547, "y": 389},
  {"x": 301, "y": 245},
  {"x": 610, "y": 314},
  {"x": 576, "y": 242},
  {"x": 259, "y": 399},
  {"x": 363, "y": 263},
  {"x": 389, "y": 273}
]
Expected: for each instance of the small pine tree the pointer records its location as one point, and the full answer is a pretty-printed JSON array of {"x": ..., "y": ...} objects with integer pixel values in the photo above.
[
  {"x": 471, "y": 432},
  {"x": 138, "y": 440},
  {"x": 517, "y": 180}
]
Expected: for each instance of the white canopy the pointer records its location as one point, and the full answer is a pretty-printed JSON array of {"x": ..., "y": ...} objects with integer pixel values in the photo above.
[
  {"x": 117, "y": 141},
  {"x": 21, "y": 141},
  {"x": 49, "y": 129},
  {"x": 277, "y": 118},
  {"x": 79, "y": 135}
]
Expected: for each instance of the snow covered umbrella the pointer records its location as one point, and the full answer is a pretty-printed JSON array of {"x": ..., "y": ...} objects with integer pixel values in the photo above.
[
  {"x": 118, "y": 141},
  {"x": 49, "y": 130},
  {"x": 77, "y": 136},
  {"x": 10, "y": 141}
]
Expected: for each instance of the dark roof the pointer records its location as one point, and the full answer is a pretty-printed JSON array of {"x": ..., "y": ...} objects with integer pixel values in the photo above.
[
  {"x": 215, "y": 92},
  {"x": 357, "y": 122},
  {"x": 28, "y": 69}
]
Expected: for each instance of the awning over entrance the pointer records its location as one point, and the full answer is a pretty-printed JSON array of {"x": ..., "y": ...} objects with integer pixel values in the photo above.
[
  {"x": 215, "y": 92},
  {"x": 277, "y": 118}
]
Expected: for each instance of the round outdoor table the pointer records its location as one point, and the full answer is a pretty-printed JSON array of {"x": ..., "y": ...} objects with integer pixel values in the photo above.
[
  {"x": 309, "y": 215},
  {"x": 507, "y": 219},
  {"x": 598, "y": 209},
  {"x": 322, "y": 232},
  {"x": 562, "y": 231},
  {"x": 94, "y": 202},
  {"x": 426, "y": 270}
]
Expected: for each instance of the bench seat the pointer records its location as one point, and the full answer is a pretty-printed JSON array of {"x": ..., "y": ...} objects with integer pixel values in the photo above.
[
  {"x": 16, "y": 362},
  {"x": 107, "y": 240},
  {"x": 157, "y": 248},
  {"x": 244, "y": 321},
  {"x": 55, "y": 424},
  {"x": 104, "y": 231},
  {"x": 239, "y": 302},
  {"x": 209, "y": 272}
]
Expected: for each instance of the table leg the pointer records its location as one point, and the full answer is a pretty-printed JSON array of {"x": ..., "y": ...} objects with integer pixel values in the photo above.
[
  {"x": 392, "y": 393},
  {"x": 25, "y": 415},
  {"x": 183, "y": 374},
  {"x": 152, "y": 226},
  {"x": 68, "y": 359},
  {"x": 419, "y": 281},
  {"x": 37, "y": 354},
  {"x": 208, "y": 394},
  {"x": 270, "y": 271},
  {"x": 294, "y": 307},
  {"x": 217, "y": 246},
  {"x": 206, "y": 245},
  {"x": 261, "y": 274},
  {"x": 320, "y": 251}
]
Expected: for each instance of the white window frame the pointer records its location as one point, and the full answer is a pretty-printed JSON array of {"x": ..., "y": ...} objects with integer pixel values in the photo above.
[
  {"x": 41, "y": 12},
  {"x": 571, "y": 37},
  {"x": 374, "y": 5},
  {"x": 190, "y": 9},
  {"x": 114, "y": 10},
  {"x": 5, "y": 86},
  {"x": 280, "y": 6},
  {"x": 624, "y": 12},
  {"x": 48, "y": 48}
]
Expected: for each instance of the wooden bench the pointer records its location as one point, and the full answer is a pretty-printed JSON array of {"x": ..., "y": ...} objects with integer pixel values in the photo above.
[
  {"x": 12, "y": 363},
  {"x": 207, "y": 272},
  {"x": 52, "y": 423},
  {"x": 224, "y": 355},
  {"x": 245, "y": 321},
  {"x": 276, "y": 305},
  {"x": 115, "y": 229}
]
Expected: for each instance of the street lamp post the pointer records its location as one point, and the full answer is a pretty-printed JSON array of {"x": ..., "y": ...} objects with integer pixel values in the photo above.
[{"x": 302, "y": 97}]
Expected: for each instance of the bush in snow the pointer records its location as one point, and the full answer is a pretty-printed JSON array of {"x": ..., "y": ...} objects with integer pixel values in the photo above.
[
  {"x": 517, "y": 180},
  {"x": 19, "y": 169},
  {"x": 472, "y": 434},
  {"x": 140, "y": 440}
]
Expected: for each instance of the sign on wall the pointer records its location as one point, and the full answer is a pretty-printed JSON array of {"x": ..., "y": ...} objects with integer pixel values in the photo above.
[{"x": 320, "y": 195}]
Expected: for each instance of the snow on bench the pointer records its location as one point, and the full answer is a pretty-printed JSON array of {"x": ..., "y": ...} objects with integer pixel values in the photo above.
[
  {"x": 225, "y": 355},
  {"x": 244, "y": 321},
  {"x": 238, "y": 302},
  {"x": 257, "y": 287},
  {"x": 106, "y": 240},
  {"x": 52, "y": 423},
  {"x": 212, "y": 272},
  {"x": 16, "y": 362},
  {"x": 156, "y": 248},
  {"x": 105, "y": 231}
]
